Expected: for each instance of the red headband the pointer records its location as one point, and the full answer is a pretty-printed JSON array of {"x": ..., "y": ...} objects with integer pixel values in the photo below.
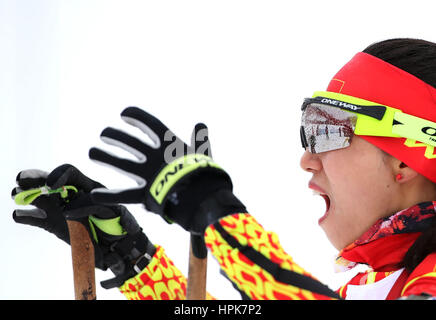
[{"x": 373, "y": 79}]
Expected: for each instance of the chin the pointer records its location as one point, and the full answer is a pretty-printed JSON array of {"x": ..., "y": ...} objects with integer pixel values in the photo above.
[{"x": 333, "y": 235}]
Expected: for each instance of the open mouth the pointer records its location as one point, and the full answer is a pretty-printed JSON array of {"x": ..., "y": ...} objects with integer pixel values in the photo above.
[{"x": 318, "y": 191}]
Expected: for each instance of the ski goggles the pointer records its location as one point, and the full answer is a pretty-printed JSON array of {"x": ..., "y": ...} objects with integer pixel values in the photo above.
[{"x": 330, "y": 120}]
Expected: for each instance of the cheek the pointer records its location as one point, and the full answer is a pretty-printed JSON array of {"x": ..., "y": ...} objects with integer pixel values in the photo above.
[
  {"x": 360, "y": 188},
  {"x": 359, "y": 177}
]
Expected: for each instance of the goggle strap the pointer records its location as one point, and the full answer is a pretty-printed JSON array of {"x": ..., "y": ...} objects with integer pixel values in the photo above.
[
  {"x": 373, "y": 111},
  {"x": 408, "y": 126}
]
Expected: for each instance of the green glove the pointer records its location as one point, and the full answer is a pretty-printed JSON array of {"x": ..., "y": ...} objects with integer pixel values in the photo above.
[{"x": 119, "y": 243}]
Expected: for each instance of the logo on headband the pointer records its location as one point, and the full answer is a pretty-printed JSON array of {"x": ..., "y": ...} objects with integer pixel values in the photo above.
[
  {"x": 429, "y": 150},
  {"x": 430, "y": 131}
]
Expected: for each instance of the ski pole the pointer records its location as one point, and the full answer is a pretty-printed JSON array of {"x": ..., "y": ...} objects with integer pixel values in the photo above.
[
  {"x": 82, "y": 253},
  {"x": 82, "y": 249},
  {"x": 196, "y": 288}
]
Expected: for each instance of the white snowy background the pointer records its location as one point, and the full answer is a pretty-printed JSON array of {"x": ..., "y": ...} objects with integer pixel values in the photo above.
[{"x": 68, "y": 68}]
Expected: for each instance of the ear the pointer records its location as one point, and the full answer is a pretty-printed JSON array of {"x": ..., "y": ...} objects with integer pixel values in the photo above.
[{"x": 404, "y": 173}]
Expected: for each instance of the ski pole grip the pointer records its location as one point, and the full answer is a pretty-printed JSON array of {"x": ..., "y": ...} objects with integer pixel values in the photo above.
[
  {"x": 82, "y": 252},
  {"x": 198, "y": 247}
]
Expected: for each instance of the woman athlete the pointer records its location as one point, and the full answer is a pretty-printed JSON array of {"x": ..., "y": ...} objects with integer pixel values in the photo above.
[{"x": 369, "y": 142}]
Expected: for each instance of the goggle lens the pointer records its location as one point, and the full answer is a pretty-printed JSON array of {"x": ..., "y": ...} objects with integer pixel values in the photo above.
[{"x": 325, "y": 128}]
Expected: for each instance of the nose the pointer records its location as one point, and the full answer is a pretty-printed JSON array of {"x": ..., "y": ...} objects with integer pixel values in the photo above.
[{"x": 310, "y": 162}]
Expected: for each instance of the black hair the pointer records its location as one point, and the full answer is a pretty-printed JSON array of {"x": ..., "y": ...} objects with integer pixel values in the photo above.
[{"x": 417, "y": 57}]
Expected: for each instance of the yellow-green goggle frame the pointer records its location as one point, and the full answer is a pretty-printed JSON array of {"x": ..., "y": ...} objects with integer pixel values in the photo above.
[{"x": 374, "y": 119}]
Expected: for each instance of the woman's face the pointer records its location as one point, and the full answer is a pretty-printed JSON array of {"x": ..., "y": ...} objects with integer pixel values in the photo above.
[{"x": 358, "y": 184}]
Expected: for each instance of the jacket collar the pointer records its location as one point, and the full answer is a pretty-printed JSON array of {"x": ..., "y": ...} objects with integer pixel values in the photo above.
[{"x": 383, "y": 246}]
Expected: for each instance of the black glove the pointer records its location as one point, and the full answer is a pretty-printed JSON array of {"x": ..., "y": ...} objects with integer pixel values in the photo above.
[
  {"x": 119, "y": 243},
  {"x": 179, "y": 182}
]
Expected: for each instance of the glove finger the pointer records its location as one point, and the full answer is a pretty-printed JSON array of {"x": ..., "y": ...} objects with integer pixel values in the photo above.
[
  {"x": 39, "y": 200},
  {"x": 125, "y": 165},
  {"x": 126, "y": 142},
  {"x": 150, "y": 125},
  {"x": 15, "y": 191},
  {"x": 67, "y": 174},
  {"x": 128, "y": 221},
  {"x": 34, "y": 217},
  {"x": 39, "y": 218},
  {"x": 200, "y": 140},
  {"x": 110, "y": 197},
  {"x": 31, "y": 178},
  {"x": 25, "y": 197}
]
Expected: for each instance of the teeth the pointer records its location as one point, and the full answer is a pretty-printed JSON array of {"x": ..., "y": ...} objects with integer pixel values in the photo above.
[{"x": 316, "y": 193}]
